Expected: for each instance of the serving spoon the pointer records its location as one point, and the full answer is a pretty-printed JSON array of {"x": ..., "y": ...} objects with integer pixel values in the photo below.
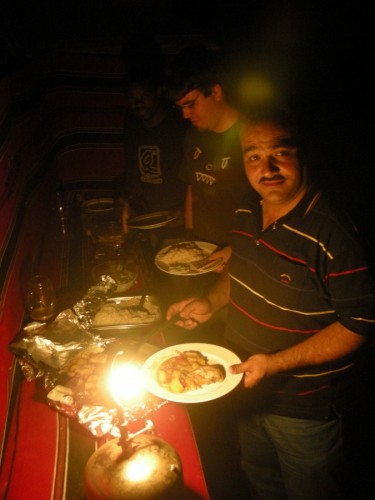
[{"x": 139, "y": 306}]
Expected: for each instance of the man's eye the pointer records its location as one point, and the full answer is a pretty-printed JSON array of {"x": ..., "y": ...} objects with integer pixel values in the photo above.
[
  {"x": 283, "y": 152},
  {"x": 254, "y": 157}
]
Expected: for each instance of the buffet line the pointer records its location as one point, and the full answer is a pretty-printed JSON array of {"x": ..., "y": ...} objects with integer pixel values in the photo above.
[{"x": 94, "y": 348}]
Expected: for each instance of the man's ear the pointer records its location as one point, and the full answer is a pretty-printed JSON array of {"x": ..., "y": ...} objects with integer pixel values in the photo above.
[{"x": 217, "y": 92}]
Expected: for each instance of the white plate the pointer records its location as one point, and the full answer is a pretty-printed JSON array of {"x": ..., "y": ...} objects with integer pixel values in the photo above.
[
  {"x": 214, "y": 353},
  {"x": 208, "y": 249},
  {"x": 151, "y": 221},
  {"x": 98, "y": 206}
]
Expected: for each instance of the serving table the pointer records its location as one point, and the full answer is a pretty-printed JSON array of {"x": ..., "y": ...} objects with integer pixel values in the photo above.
[{"x": 46, "y": 451}]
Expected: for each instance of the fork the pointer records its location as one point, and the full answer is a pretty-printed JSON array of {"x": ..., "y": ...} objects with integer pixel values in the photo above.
[{"x": 205, "y": 266}]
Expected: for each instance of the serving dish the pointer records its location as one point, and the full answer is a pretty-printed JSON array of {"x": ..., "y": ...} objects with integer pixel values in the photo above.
[
  {"x": 124, "y": 276},
  {"x": 122, "y": 304}
]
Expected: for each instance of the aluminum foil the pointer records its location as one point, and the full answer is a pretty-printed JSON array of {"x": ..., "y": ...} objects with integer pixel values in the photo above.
[
  {"x": 94, "y": 299},
  {"x": 83, "y": 392},
  {"x": 45, "y": 348},
  {"x": 75, "y": 365},
  {"x": 102, "y": 421}
]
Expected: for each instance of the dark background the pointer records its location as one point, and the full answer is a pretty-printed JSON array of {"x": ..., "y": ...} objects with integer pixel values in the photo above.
[{"x": 316, "y": 53}]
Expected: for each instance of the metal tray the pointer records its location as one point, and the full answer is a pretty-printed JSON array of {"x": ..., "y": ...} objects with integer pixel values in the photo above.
[{"x": 129, "y": 301}]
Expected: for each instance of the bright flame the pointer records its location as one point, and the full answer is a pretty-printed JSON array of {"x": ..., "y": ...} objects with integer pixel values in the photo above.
[
  {"x": 125, "y": 382},
  {"x": 140, "y": 468}
]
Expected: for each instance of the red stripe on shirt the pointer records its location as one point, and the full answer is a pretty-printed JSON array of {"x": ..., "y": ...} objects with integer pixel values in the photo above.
[{"x": 289, "y": 330}]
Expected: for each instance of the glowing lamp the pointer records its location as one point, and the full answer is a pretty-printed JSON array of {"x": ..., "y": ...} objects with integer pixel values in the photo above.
[{"x": 137, "y": 465}]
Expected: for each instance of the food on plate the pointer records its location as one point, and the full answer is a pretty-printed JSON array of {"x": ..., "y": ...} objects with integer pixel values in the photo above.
[
  {"x": 188, "y": 371},
  {"x": 183, "y": 254},
  {"x": 126, "y": 313}
]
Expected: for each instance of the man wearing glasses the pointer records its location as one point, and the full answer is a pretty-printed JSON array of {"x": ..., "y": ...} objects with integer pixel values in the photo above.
[
  {"x": 213, "y": 170},
  {"x": 212, "y": 167}
]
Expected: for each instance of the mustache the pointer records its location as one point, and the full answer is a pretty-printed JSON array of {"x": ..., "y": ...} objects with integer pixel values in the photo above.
[{"x": 276, "y": 177}]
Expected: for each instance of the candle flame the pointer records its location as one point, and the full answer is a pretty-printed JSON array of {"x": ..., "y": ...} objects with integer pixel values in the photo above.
[{"x": 125, "y": 381}]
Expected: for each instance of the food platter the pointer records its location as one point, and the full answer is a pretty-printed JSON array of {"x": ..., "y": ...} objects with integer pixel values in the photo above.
[
  {"x": 118, "y": 308},
  {"x": 214, "y": 353},
  {"x": 188, "y": 268},
  {"x": 151, "y": 220}
]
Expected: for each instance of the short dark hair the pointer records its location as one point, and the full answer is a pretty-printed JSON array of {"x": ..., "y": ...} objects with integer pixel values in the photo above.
[
  {"x": 289, "y": 119},
  {"x": 194, "y": 67},
  {"x": 283, "y": 116}
]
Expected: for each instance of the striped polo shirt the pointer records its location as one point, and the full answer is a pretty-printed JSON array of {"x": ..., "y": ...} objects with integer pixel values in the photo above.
[{"x": 302, "y": 273}]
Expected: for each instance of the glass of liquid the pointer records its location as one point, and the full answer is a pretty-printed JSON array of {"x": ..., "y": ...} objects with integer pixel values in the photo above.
[{"x": 40, "y": 298}]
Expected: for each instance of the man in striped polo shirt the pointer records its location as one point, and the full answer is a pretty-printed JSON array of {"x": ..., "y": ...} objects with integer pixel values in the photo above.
[{"x": 301, "y": 301}]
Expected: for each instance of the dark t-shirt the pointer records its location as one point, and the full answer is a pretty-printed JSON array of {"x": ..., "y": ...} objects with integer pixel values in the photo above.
[
  {"x": 213, "y": 166},
  {"x": 152, "y": 157}
]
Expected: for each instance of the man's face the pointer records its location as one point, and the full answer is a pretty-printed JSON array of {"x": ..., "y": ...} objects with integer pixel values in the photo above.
[
  {"x": 199, "y": 109},
  {"x": 142, "y": 100},
  {"x": 271, "y": 163}
]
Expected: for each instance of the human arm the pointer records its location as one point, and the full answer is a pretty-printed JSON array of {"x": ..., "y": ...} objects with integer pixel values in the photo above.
[
  {"x": 329, "y": 344},
  {"x": 195, "y": 310}
]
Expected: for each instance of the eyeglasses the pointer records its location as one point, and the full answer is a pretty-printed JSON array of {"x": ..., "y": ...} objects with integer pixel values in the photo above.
[{"x": 187, "y": 105}]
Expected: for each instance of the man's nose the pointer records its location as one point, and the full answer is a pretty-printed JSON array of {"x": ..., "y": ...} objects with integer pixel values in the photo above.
[
  {"x": 186, "y": 113},
  {"x": 271, "y": 165}
]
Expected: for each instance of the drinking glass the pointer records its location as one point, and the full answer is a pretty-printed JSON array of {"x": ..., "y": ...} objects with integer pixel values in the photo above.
[{"x": 40, "y": 298}]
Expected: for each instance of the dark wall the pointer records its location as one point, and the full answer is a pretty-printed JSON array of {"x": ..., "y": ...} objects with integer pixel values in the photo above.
[{"x": 317, "y": 53}]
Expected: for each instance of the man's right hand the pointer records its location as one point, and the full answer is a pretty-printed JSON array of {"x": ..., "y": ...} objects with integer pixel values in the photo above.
[{"x": 192, "y": 311}]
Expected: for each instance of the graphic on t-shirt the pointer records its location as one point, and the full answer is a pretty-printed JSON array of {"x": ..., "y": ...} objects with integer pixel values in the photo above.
[
  {"x": 149, "y": 164},
  {"x": 225, "y": 162},
  {"x": 197, "y": 153},
  {"x": 202, "y": 177}
]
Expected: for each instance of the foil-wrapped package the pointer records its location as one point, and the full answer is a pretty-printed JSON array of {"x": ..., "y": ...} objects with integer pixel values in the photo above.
[
  {"x": 76, "y": 366},
  {"x": 45, "y": 348},
  {"x": 83, "y": 391},
  {"x": 102, "y": 421}
]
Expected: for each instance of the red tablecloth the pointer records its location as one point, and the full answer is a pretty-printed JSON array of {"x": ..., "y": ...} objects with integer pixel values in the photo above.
[{"x": 46, "y": 452}]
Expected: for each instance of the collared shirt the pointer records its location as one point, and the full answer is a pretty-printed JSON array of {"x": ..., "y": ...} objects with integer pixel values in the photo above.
[{"x": 302, "y": 273}]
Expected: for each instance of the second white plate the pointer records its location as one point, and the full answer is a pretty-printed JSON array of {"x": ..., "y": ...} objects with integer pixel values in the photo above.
[{"x": 208, "y": 248}]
